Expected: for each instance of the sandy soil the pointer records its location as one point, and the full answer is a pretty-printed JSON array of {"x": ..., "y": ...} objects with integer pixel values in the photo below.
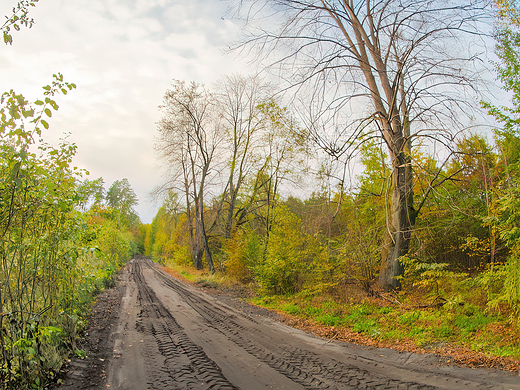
[{"x": 155, "y": 332}]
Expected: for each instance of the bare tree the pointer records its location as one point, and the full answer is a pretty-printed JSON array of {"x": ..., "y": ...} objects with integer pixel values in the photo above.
[
  {"x": 240, "y": 98},
  {"x": 189, "y": 136},
  {"x": 408, "y": 66}
]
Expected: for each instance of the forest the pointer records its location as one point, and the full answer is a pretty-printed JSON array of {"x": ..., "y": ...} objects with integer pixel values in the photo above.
[
  {"x": 396, "y": 227},
  {"x": 399, "y": 224}
]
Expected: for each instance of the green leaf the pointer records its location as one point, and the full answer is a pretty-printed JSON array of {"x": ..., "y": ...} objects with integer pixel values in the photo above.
[
  {"x": 28, "y": 113},
  {"x": 20, "y": 99},
  {"x": 48, "y": 112},
  {"x": 8, "y": 39},
  {"x": 13, "y": 111},
  {"x": 45, "y": 124},
  {"x": 38, "y": 103},
  {"x": 16, "y": 169}
]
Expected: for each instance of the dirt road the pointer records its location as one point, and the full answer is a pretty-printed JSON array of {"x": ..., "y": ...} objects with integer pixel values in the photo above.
[{"x": 169, "y": 335}]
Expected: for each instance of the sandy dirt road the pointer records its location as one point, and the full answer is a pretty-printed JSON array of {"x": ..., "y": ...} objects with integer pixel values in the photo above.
[{"x": 169, "y": 335}]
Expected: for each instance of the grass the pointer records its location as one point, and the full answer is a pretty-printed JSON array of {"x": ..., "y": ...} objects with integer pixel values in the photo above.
[
  {"x": 200, "y": 277},
  {"x": 376, "y": 322},
  {"x": 464, "y": 330}
]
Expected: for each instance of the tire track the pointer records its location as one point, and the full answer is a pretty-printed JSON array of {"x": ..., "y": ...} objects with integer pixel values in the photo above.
[
  {"x": 181, "y": 364},
  {"x": 301, "y": 366}
]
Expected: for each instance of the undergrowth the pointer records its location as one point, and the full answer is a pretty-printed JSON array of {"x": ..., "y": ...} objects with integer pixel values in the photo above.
[
  {"x": 401, "y": 322},
  {"x": 395, "y": 324}
]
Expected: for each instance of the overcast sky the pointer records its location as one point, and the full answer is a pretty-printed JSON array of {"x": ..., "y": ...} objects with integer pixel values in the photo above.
[{"x": 122, "y": 54}]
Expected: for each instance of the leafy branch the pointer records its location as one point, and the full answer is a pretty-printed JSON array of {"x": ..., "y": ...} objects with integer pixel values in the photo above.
[
  {"x": 14, "y": 109},
  {"x": 18, "y": 18}
]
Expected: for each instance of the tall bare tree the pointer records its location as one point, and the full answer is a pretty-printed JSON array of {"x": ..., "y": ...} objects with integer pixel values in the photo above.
[
  {"x": 190, "y": 132},
  {"x": 408, "y": 66},
  {"x": 240, "y": 98}
]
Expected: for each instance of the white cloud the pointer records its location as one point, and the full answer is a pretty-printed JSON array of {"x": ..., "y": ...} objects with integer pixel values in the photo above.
[{"x": 122, "y": 55}]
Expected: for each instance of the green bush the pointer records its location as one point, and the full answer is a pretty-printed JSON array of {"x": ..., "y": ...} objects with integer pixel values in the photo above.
[{"x": 283, "y": 268}]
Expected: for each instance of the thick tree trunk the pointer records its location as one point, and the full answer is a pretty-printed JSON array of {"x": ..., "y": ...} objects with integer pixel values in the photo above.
[
  {"x": 401, "y": 224},
  {"x": 403, "y": 215},
  {"x": 197, "y": 258}
]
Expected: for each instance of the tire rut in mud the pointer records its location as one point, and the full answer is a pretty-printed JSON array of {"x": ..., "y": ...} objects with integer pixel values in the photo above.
[
  {"x": 301, "y": 366},
  {"x": 181, "y": 364}
]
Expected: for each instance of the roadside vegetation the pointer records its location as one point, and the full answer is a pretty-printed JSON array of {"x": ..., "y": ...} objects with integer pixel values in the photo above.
[{"x": 62, "y": 237}]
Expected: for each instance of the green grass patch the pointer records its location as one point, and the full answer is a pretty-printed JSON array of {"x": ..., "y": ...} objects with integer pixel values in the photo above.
[
  {"x": 367, "y": 325},
  {"x": 385, "y": 310},
  {"x": 329, "y": 319},
  {"x": 466, "y": 325},
  {"x": 443, "y": 332},
  {"x": 470, "y": 324},
  {"x": 313, "y": 311},
  {"x": 424, "y": 328},
  {"x": 507, "y": 350},
  {"x": 291, "y": 308},
  {"x": 358, "y": 312},
  {"x": 409, "y": 318}
]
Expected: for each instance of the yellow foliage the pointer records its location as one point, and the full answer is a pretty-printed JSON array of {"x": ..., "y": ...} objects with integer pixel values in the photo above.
[{"x": 236, "y": 263}]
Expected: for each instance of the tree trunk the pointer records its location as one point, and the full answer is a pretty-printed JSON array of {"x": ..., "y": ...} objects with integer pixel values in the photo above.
[
  {"x": 197, "y": 257},
  {"x": 196, "y": 249},
  {"x": 403, "y": 215},
  {"x": 228, "y": 225},
  {"x": 402, "y": 221},
  {"x": 204, "y": 237},
  {"x": 196, "y": 252}
]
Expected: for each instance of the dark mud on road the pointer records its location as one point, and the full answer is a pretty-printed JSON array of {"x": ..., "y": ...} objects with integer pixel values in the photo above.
[
  {"x": 154, "y": 332},
  {"x": 98, "y": 342}
]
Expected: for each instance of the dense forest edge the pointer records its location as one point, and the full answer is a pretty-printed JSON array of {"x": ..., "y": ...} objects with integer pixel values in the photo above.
[
  {"x": 226, "y": 219},
  {"x": 63, "y": 239},
  {"x": 63, "y": 236}
]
